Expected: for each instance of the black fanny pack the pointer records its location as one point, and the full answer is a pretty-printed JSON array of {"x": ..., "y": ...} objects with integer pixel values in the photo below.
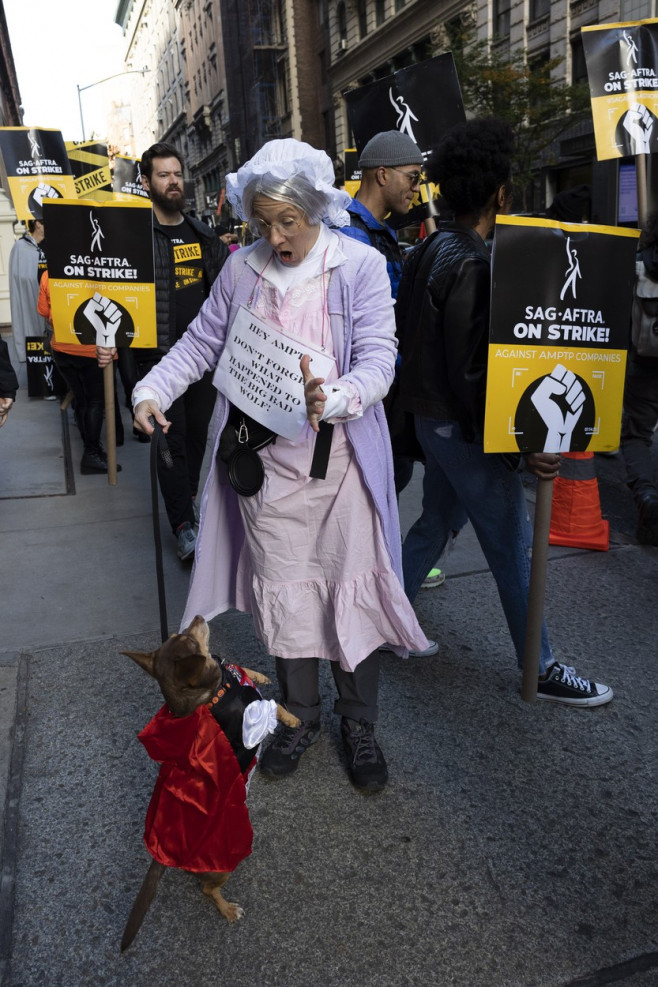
[{"x": 239, "y": 443}]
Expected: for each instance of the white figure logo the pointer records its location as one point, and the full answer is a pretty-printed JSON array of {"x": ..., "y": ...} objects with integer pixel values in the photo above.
[
  {"x": 572, "y": 272},
  {"x": 405, "y": 114},
  {"x": 98, "y": 233},
  {"x": 35, "y": 150},
  {"x": 631, "y": 53},
  {"x": 48, "y": 376}
]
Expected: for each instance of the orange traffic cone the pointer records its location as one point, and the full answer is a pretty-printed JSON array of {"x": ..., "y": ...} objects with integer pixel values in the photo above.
[{"x": 576, "y": 513}]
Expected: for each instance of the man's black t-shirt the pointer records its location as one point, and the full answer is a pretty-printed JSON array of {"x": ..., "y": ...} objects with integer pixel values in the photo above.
[{"x": 188, "y": 273}]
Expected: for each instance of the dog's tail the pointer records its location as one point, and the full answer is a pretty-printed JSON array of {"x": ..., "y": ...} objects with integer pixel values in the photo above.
[{"x": 142, "y": 902}]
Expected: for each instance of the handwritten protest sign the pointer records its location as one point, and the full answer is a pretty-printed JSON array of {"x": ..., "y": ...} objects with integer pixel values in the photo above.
[{"x": 259, "y": 373}]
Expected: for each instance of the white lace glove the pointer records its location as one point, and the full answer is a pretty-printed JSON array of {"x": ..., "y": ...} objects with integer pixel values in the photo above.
[{"x": 259, "y": 720}]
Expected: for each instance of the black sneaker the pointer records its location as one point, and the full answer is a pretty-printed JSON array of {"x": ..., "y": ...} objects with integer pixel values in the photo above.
[
  {"x": 186, "y": 537},
  {"x": 94, "y": 461},
  {"x": 563, "y": 685},
  {"x": 365, "y": 762},
  {"x": 647, "y": 520},
  {"x": 282, "y": 756}
]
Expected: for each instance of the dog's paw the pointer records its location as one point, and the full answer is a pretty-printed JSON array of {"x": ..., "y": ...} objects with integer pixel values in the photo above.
[
  {"x": 233, "y": 912},
  {"x": 257, "y": 677},
  {"x": 288, "y": 719},
  {"x": 229, "y": 910}
]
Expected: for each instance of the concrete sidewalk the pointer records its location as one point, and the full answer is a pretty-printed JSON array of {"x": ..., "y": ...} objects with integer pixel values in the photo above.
[{"x": 515, "y": 845}]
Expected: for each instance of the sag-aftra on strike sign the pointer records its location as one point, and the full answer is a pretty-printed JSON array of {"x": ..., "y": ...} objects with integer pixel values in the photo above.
[
  {"x": 559, "y": 332},
  {"x": 622, "y": 68}
]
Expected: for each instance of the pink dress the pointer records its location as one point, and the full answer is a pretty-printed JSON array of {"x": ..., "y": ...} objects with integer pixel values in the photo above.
[{"x": 314, "y": 570}]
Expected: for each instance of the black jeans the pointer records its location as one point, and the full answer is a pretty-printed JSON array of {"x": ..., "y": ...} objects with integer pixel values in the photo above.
[
  {"x": 189, "y": 416},
  {"x": 85, "y": 380},
  {"x": 638, "y": 423}
]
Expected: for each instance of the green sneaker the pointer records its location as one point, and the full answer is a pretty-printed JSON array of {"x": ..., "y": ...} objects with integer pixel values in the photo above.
[{"x": 435, "y": 577}]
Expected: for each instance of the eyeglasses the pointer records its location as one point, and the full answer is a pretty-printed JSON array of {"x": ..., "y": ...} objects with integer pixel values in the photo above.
[
  {"x": 287, "y": 228},
  {"x": 414, "y": 177}
]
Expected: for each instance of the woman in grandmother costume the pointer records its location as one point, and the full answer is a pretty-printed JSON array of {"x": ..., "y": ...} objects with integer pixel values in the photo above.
[{"x": 315, "y": 560}]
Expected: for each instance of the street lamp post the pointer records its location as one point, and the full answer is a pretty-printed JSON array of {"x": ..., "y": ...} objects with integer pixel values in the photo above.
[{"x": 91, "y": 85}]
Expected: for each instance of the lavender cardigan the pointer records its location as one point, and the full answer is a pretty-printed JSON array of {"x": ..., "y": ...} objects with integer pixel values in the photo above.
[{"x": 363, "y": 334}]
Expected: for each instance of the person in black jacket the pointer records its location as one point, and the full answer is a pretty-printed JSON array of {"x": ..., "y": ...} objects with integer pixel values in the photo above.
[
  {"x": 640, "y": 417},
  {"x": 443, "y": 327},
  {"x": 8, "y": 383},
  {"x": 188, "y": 256}
]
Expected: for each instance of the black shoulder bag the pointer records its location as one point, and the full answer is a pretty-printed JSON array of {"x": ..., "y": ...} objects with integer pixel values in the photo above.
[{"x": 239, "y": 443}]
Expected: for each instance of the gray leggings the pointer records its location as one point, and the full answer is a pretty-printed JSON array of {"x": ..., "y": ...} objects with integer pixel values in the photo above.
[{"x": 357, "y": 690}]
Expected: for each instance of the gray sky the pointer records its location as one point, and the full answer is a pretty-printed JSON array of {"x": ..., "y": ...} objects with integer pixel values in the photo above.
[{"x": 59, "y": 46}]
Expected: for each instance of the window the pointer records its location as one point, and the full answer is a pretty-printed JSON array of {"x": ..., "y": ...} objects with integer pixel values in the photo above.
[
  {"x": 341, "y": 17},
  {"x": 380, "y": 12},
  {"x": 501, "y": 18},
  {"x": 578, "y": 66},
  {"x": 362, "y": 15},
  {"x": 538, "y": 65},
  {"x": 636, "y": 10},
  {"x": 539, "y": 8}
]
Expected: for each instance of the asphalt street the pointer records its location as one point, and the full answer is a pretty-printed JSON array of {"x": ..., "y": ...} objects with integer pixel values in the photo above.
[{"x": 515, "y": 845}]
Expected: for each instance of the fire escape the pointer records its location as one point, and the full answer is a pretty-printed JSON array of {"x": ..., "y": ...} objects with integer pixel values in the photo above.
[{"x": 270, "y": 53}]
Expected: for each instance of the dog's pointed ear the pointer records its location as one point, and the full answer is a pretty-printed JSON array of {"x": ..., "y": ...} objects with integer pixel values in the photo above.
[{"x": 144, "y": 659}]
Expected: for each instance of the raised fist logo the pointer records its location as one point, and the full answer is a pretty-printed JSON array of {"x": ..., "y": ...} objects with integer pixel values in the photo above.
[
  {"x": 559, "y": 421},
  {"x": 43, "y": 191},
  {"x": 638, "y": 122},
  {"x": 105, "y": 317},
  {"x": 556, "y": 413}
]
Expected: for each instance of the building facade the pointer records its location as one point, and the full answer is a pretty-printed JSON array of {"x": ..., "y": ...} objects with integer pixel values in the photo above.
[
  {"x": 205, "y": 107},
  {"x": 276, "y": 85},
  {"x": 11, "y": 115},
  {"x": 224, "y": 76}
]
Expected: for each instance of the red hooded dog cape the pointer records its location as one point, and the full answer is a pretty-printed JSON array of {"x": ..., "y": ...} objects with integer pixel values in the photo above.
[{"x": 197, "y": 818}]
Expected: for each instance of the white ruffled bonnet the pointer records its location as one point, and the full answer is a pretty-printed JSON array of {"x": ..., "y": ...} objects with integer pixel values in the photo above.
[{"x": 282, "y": 159}]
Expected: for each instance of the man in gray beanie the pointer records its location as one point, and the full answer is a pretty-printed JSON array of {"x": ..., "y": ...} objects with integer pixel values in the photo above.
[
  {"x": 390, "y": 166},
  {"x": 390, "y": 175}
]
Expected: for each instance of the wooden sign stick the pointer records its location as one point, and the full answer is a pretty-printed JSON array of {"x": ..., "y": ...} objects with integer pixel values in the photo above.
[{"x": 110, "y": 423}]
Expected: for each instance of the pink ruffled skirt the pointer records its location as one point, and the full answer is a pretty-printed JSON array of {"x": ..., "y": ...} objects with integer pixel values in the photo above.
[{"x": 314, "y": 570}]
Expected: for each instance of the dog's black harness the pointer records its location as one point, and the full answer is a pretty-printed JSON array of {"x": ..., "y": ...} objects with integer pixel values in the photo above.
[{"x": 228, "y": 706}]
